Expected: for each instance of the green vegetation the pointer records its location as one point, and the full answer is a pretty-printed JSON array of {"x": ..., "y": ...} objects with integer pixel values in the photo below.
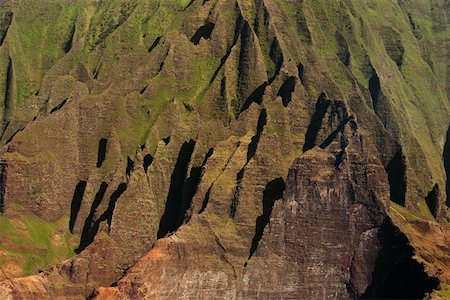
[{"x": 32, "y": 244}]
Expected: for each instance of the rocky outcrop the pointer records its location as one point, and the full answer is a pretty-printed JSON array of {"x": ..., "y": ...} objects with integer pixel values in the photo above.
[
  {"x": 223, "y": 148},
  {"x": 319, "y": 241}
]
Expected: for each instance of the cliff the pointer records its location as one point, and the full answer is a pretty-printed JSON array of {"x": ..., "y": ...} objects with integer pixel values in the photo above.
[{"x": 224, "y": 149}]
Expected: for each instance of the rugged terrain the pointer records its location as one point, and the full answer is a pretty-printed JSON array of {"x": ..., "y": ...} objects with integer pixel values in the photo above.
[{"x": 225, "y": 149}]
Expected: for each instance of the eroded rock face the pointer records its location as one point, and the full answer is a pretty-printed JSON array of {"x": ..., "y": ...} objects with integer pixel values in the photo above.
[
  {"x": 239, "y": 149},
  {"x": 321, "y": 242},
  {"x": 324, "y": 231}
]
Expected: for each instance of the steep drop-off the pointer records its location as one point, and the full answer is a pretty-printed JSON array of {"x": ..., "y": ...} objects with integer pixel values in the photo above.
[{"x": 224, "y": 149}]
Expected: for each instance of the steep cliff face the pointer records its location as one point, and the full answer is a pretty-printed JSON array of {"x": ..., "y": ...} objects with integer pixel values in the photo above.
[{"x": 224, "y": 149}]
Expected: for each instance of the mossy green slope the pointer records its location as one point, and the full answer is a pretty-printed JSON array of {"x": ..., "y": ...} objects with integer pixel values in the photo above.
[{"x": 130, "y": 73}]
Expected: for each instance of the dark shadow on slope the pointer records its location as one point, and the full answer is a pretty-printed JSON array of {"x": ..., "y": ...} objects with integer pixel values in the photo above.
[
  {"x": 374, "y": 89},
  {"x": 273, "y": 191},
  {"x": 143, "y": 90},
  {"x": 301, "y": 73},
  {"x": 69, "y": 43},
  {"x": 286, "y": 90},
  {"x": 204, "y": 31},
  {"x": 446, "y": 157},
  {"x": 334, "y": 134},
  {"x": 206, "y": 200},
  {"x": 76, "y": 203},
  {"x": 276, "y": 55},
  {"x": 155, "y": 43},
  {"x": 101, "y": 152},
  {"x": 238, "y": 29},
  {"x": 432, "y": 200},
  {"x": 343, "y": 52},
  {"x": 9, "y": 90},
  {"x": 396, "y": 170},
  {"x": 5, "y": 22},
  {"x": 396, "y": 274},
  {"x": 175, "y": 208},
  {"x": 148, "y": 159},
  {"x": 108, "y": 214},
  {"x": 13, "y": 135},
  {"x": 315, "y": 124},
  {"x": 189, "y": 4},
  {"x": 262, "y": 121},
  {"x": 235, "y": 200},
  {"x": 193, "y": 181},
  {"x": 59, "y": 106},
  {"x": 166, "y": 140},
  {"x": 255, "y": 97},
  {"x": 88, "y": 234},
  {"x": 130, "y": 166}
]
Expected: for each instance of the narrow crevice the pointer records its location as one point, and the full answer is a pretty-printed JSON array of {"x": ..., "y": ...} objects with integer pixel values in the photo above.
[
  {"x": 334, "y": 134},
  {"x": 432, "y": 200},
  {"x": 148, "y": 159},
  {"x": 13, "y": 135},
  {"x": 397, "y": 275},
  {"x": 276, "y": 55},
  {"x": 175, "y": 208},
  {"x": 272, "y": 192},
  {"x": 161, "y": 66},
  {"x": 189, "y": 4},
  {"x": 396, "y": 170},
  {"x": 204, "y": 32},
  {"x": 89, "y": 231},
  {"x": 97, "y": 71},
  {"x": 3, "y": 176},
  {"x": 286, "y": 90},
  {"x": 252, "y": 146},
  {"x": 238, "y": 29},
  {"x": 315, "y": 124},
  {"x": 343, "y": 52},
  {"x": 206, "y": 200},
  {"x": 301, "y": 73},
  {"x": 374, "y": 89},
  {"x": 446, "y": 158},
  {"x": 5, "y": 22},
  {"x": 255, "y": 97},
  {"x": 108, "y": 214},
  {"x": 163, "y": 60},
  {"x": 76, "y": 203},
  {"x": 235, "y": 200},
  {"x": 6, "y": 125},
  {"x": 59, "y": 106},
  {"x": 130, "y": 166},
  {"x": 243, "y": 64},
  {"x": 143, "y": 90},
  {"x": 193, "y": 181},
  {"x": 101, "y": 151},
  {"x": 9, "y": 91},
  {"x": 155, "y": 43},
  {"x": 69, "y": 43}
]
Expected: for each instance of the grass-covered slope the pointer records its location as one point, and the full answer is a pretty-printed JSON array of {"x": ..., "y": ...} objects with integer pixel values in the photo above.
[{"x": 252, "y": 83}]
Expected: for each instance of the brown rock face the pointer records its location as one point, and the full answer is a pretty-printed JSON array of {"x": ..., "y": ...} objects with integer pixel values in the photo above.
[
  {"x": 321, "y": 240},
  {"x": 325, "y": 230},
  {"x": 236, "y": 149}
]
